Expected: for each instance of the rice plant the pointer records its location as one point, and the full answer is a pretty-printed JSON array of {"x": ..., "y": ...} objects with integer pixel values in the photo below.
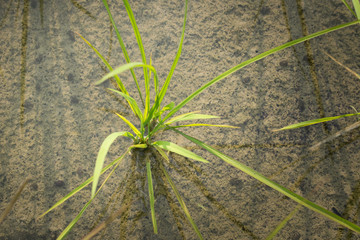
[{"x": 155, "y": 118}]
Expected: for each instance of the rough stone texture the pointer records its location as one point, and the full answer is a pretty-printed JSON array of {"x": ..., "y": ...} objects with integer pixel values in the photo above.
[{"x": 53, "y": 117}]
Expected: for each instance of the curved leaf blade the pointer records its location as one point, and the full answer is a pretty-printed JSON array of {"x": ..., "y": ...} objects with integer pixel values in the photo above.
[
  {"x": 101, "y": 158},
  {"x": 136, "y": 131},
  {"x": 81, "y": 186},
  {"x": 190, "y": 116},
  {"x": 204, "y": 125},
  {"x": 74, "y": 221},
  {"x": 131, "y": 102},
  {"x": 119, "y": 82},
  {"x": 172, "y": 147}
]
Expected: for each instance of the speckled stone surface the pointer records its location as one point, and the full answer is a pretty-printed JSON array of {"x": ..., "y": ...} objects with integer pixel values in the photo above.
[{"x": 53, "y": 117}]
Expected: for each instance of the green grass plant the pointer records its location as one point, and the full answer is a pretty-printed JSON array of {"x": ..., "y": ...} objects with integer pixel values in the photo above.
[{"x": 154, "y": 119}]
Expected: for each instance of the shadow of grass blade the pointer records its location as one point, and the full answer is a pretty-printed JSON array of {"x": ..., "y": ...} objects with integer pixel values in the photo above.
[
  {"x": 178, "y": 54},
  {"x": 274, "y": 185},
  {"x": 254, "y": 59},
  {"x": 314, "y": 121},
  {"x": 172, "y": 147},
  {"x": 181, "y": 202},
  {"x": 283, "y": 222},
  {"x": 101, "y": 157},
  {"x": 151, "y": 193},
  {"x": 123, "y": 48}
]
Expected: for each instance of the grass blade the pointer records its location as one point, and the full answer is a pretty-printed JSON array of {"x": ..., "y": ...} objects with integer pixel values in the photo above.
[
  {"x": 314, "y": 121},
  {"x": 151, "y": 193},
  {"x": 136, "y": 131},
  {"x": 119, "y": 82},
  {"x": 142, "y": 52},
  {"x": 274, "y": 185},
  {"x": 203, "y": 125},
  {"x": 81, "y": 186},
  {"x": 74, "y": 221},
  {"x": 348, "y": 7},
  {"x": 162, "y": 153},
  {"x": 283, "y": 222},
  {"x": 123, "y": 48},
  {"x": 124, "y": 68},
  {"x": 190, "y": 116},
  {"x": 178, "y": 54},
  {"x": 356, "y": 4},
  {"x": 131, "y": 102},
  {"x": 101, "y": 158},
  {"x": 172, "y": 147},
  {"x": 252, "y": 60},
  {"x": 182, "y": 203}
]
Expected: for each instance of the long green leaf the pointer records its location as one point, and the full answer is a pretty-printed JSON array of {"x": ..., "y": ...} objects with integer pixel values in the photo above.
[
  {"x": 131, "y": 102},
  {"x": 124, "y": 68},
  {"x": 136, "y": 131},
  {"x": 182, "y": 203},
  {"x": 252, "y": 60},
  {"x": 151, "y": 193},
  {"x": 81, "y": 186},
  {"x": 190, "y": 116},
  {"x": 172, "y": 147},
  {"x": 348, "y": 7},
  {"x": 101, "y": 158},
  {"x": 74, "y": 221},
  {"x": 314, "y": 121},
  {"x": 119, "y": 82},
  {"x": 356, "y": 4},
  {"x": 178, "y": 54},
  {"x": 283, "y": 222},
  {"x": 274, "y": 185},
  {"x": 162, "y": 153},
  {"x": 204, "y": 125},
  {"x": 142, "y": 52},
  {"x": 123, "y": 48}
]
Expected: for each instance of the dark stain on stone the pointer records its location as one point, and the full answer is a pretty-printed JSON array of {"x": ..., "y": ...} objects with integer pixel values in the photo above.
[
  {"x": 39, "y": 59},
  {"x": 34, "y": 187},
  {"x": 237, "y": 183},
  {"x": 33, "y": 3},
  {"x": 265, "y": 11},
  {"x": 59, "y": 183},
  {"x": 74, "y": 100},
  {"x": 284, "y": 63},
  {"x": 245, "y": 80},
  {"x": 70, "y": 77},
  {"x": 71, "y": 36}
]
